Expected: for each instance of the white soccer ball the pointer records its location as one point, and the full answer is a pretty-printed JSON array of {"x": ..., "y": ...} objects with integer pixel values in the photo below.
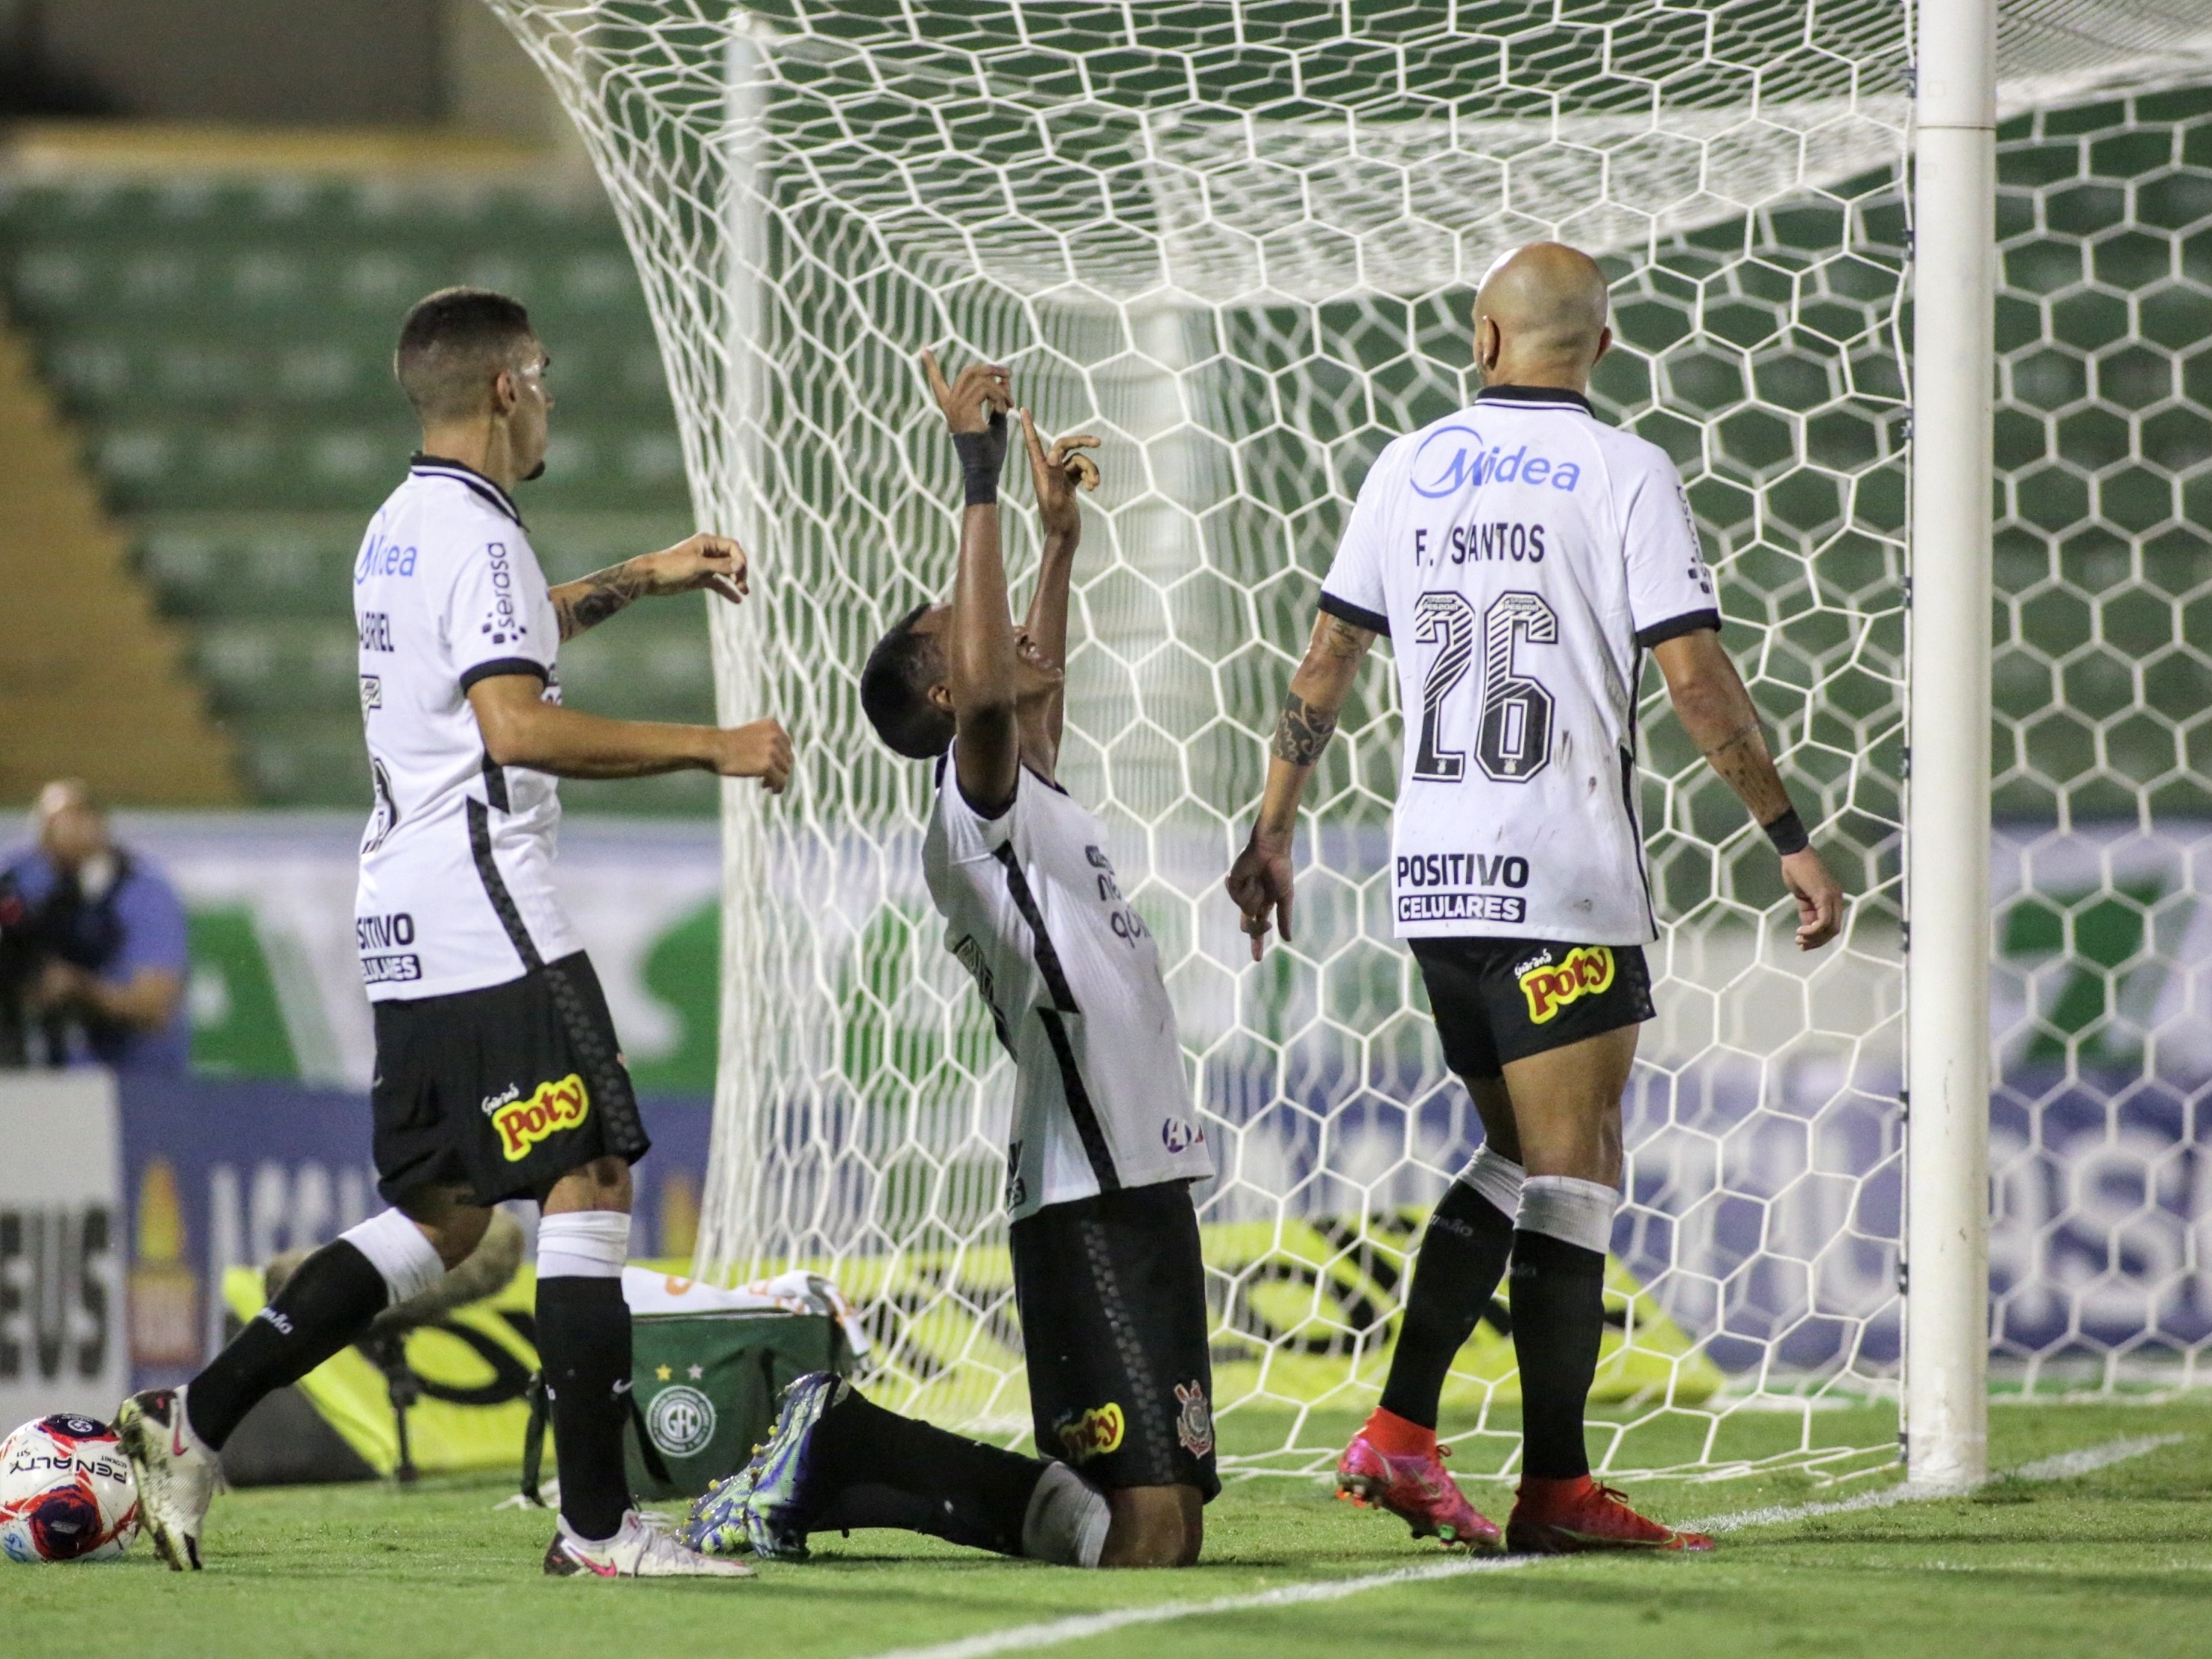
[{"x": 66, "y": 1492}]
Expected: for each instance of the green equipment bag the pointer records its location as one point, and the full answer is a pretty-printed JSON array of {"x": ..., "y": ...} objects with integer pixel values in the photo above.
[{"x": 703, "y": 1393}]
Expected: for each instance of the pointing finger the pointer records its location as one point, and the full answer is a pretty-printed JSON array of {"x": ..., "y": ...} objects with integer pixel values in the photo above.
[{"x": 936, "y": 376}]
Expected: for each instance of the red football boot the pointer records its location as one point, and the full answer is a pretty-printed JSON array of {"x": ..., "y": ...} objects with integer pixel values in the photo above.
[
  {"x": 1565, "y": 1517},
  {"x": 1394, "y": 1465}
]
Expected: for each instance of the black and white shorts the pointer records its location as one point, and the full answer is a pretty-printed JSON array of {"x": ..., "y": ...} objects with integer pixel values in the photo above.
[
  {"x": 1111, "y": 1292},
  {"x": 503, "y": 1090},
  {"x": 1501, "y": 999}
]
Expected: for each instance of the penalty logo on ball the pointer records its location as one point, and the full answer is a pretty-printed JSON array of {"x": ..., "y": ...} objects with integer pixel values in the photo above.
[{"x": 66, "y": 1492}]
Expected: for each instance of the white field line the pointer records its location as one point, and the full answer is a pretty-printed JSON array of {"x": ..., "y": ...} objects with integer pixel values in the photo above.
[{"x": 1054, "y": 1632}]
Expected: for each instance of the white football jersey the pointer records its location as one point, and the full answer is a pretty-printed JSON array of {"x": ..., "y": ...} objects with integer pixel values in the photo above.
[
  {"x": 1070, "y": 974},
  {"x": 1522, "y": 555},
  {"x": 456, "y": 889}
]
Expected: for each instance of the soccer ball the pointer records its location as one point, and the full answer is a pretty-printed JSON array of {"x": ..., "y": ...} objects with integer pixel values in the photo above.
[{"x": 66, "y": 1492}]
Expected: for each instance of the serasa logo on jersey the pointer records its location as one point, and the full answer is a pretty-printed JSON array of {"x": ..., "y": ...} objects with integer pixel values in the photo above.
[
  {"x": 554, "y": 1107},
  {"x": 1453, "y": 457},
  {"x": 1587, "y": 972},
  {"x": 503, "y": 622},
  {"x": 1085, "y": 1435}
]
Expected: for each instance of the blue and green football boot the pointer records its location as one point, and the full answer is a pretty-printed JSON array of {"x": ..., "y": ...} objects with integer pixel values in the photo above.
[{"x": 762, "y": 1506}]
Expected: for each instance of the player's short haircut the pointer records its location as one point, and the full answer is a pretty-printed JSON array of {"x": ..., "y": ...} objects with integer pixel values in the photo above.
[
  {"x": 895, "y": 690},
  {"x": 452, "y": 346}
]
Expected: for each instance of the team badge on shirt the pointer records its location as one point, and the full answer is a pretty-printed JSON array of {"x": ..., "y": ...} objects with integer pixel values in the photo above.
[{"x": 1549, "y": 986}]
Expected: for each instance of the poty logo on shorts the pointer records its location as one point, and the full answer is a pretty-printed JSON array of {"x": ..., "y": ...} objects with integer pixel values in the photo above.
[
  {"x": 1090, "y": 1434},
  {"x": 1587, "y": 972},
  {"x": 556, "y": 1106}
]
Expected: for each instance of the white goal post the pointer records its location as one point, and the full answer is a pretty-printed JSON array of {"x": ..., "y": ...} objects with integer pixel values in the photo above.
[
  {"x": 1947, "y": 831},
  {"x": 1239, "y": 241}
]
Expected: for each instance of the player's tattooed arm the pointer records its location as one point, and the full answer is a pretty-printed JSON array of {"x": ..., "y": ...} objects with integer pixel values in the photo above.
[
  {"x": 702, "y": 564},
  {"x": 589, "y": 600},
  {"x": 1260, "y": 880},
  {"x": 1301, "y": 732},
  {"x": 1715, "y": 708}
]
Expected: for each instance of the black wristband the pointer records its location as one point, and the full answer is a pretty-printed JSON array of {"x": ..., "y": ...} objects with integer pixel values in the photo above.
[
  {"x": 1788, "y": 833},
  {"x": 982, "y": 454}
]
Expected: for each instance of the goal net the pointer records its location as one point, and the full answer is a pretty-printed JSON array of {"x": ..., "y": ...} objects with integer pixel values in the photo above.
[{"x": 1239, "y": 241}]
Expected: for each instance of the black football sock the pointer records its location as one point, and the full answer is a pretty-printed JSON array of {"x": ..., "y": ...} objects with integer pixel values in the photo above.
[
  {"x": 1559, "y": 1317},
  {"x": 880, "y": 1469},
  {"x": 325, "y": 1304},
  {"x": 583, "y": 1349},
  {"x": 1462, "y": 1258}
]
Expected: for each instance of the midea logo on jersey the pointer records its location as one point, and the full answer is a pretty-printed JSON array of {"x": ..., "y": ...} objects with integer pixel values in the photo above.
[{"x": 1453, "y": 457}]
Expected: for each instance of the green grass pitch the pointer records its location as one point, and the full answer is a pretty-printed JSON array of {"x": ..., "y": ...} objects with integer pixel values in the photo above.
[{"x": 2117, "y": 1561}]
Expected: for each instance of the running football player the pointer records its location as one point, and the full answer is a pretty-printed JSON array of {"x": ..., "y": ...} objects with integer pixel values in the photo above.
[
  {"x": 498, "y": 1071},
  {"x": 1108, "y": 1279},
  {"x": 1523, "y": 557}
]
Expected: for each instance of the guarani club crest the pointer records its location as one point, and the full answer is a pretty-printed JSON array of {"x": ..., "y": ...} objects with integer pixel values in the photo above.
[{"x": 681, "y": 1421}]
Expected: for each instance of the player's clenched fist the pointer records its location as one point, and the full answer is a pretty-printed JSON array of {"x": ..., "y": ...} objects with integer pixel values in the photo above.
[
  {"x": 761, "y": 750},
  {"x": 706, "y": 561}
]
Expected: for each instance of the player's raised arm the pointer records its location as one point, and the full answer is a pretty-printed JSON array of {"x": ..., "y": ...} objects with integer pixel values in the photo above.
[
  {"x": 701, "y": 563},
  {"x": 1057, "y": 474},
  {"x": 1716, "y": 711},
  {"x": 980, "y": 651},
  {"x": 1259, "y": 880}
]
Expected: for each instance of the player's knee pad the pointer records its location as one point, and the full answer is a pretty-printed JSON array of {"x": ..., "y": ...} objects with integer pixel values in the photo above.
[
  {"x": 1568, "y": 1208},
  {"x": 1497, "y": 1178},
  {"x": 1066, "y": 1521},
  {"x": 409, "y": 1262},
  {"x": 583, "y": 1244}
]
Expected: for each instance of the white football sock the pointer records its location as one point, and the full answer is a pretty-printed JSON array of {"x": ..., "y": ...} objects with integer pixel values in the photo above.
[
  {"x": 1497, "y": 1178},
  {"x": 1066, "y": 1521},
  {"x": 583, "y": 1244},
  {"x": 1568, "y": 1208},
  {"x": 396, "y": 1248}
]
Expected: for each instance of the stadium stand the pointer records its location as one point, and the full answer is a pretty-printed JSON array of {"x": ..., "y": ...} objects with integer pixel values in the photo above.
[
  {"x": 224, "y": 342},
  {"x": 126, "y": 717}
]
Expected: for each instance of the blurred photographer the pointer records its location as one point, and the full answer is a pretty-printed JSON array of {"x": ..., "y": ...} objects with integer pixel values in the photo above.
[{"x": 92, "y": 947}]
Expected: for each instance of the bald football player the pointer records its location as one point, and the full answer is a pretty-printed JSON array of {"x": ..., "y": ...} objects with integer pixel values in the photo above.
[{"x": 1523, "y": 557}]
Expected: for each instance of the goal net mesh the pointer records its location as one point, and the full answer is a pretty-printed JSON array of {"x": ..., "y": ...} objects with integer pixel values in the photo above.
[{"x": 1239, "y": 242}]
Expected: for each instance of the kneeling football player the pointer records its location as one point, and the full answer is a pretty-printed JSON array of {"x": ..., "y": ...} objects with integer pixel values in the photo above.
[
  {"x": 498, "y": 1073},
  {"x": 1107, "y": 1278}
]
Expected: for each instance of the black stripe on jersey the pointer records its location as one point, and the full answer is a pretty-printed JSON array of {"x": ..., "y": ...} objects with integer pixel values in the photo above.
[
  {"x": 495, "y": 777},
  {"x": 499, "y": 666},
  {"x": 1345, "y": 611},
  {"x": 1690, "y": 622},
  {"x": 420, "y": 466},
  {"x": 1079, "y": 1107},
  {"x": 1636, "y": 830},
  {"x": 495, "y": 886}
]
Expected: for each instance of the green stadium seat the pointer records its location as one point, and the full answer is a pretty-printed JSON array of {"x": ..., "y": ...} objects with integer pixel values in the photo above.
[{"x": 226, "y": 346}]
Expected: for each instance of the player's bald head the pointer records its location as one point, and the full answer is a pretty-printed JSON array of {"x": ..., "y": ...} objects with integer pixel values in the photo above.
[
  {"x": 453, "y": 345},
  {"x": 1548, "y": 302}
]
